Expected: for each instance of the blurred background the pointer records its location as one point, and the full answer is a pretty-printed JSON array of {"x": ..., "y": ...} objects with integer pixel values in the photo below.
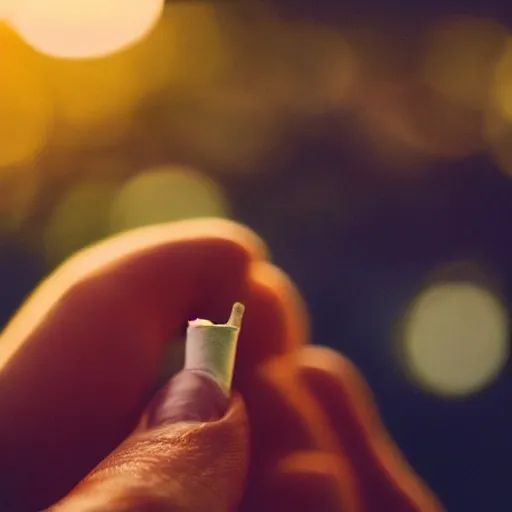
[{"x": 371, "y": 148}]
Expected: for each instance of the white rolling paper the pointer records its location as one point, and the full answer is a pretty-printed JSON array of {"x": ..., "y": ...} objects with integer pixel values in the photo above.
[{"x": 211, "y": 348}]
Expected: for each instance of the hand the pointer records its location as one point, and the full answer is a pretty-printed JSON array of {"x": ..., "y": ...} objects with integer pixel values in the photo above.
[{"x": 79, "y": 361}]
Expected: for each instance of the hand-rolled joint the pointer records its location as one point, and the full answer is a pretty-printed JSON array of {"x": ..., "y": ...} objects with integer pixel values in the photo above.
[{"x": 211, "y": 348}]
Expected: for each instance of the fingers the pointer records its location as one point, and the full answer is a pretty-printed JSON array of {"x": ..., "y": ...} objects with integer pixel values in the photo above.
[
  {"x": 78, "y": 361},
  {"x": 306, "y": 481},
  {"x": 283, "y": 415},
  {"x": 285, "y": 420},
  {"x": 387, "y": 481},
  {"x": 183, "y": 467},
  {"x": 275, "y": 324},
  {"x": 275, "y": 321}
]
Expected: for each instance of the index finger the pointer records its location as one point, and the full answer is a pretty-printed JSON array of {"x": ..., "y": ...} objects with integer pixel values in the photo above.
[{"x": 78, "y": 361}]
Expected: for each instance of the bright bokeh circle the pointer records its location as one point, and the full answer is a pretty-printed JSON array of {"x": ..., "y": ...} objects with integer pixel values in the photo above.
[
  {"x": 80, "y": 218},
  {"x": 165, "y": 194},
  {"x": 456, "y": 338},
  {"x": 78, "y": 29},
  {"x": 5, "y": 8}
]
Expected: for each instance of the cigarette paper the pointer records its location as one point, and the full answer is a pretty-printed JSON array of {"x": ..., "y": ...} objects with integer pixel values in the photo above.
[{"x": 211, "y": 348}]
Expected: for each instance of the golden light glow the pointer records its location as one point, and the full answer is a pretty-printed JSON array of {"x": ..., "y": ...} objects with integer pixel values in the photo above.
[
  {"x": 456, "y": 338},
  {"x": 96, "y": 98},
  {"x": 5, "y": 8},
  {"x": 154, "y": 58},
  {"x": 461, "y": 55},
  {"x": 502, "y": 92},
  {"x": 92, "y": 91},
  {"x": 166, "y": 194},
  {"x": 197, "y": 49},
  {"x": 498, "y": 120},
  {"x": 78, "y": 29},
  {"x": 26, "y": 111}
]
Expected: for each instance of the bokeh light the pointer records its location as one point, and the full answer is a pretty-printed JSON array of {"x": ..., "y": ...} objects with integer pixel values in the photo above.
[
  {"x": 19, "y": 189},
  {"x": 408, "y": 122},
  {"x": 26, "y": 111},
  {"x": 79, "y": 219},
  {"x": 199, "y": 48},
  {"x": 166, "y": 194},
  {"x": 456, "y": 338},
  {"x": 461, "y": 55},
  {"x": 77, "y": 29},
  {"x": 93, "y": 99},
  {"x": 498, "y": 121},
  {"x": 310, "y": 68},
  {"x": 233, "y": 132},
  {"x": 502, "y": 92},
  {"x": 5, "y": 8},
  {"x": 363, "y": 147}
]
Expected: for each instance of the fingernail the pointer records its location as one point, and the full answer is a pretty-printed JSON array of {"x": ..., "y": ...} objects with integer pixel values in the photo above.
[
  {"x": 189, "y": 396},
  {"x": 201, "y": 391}
]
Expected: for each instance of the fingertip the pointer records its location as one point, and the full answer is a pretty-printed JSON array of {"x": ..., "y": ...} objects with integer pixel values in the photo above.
[
  {"x": 278, "y": 425},
  {"x": 276, "y": 321},
  {"x": 388, "y": 481},
  {"x": 291, "y": 303},
  {"x": 324, "y": 363},
  {"x": 305, "y": 481},
  {"x": 284, "y": 416}
]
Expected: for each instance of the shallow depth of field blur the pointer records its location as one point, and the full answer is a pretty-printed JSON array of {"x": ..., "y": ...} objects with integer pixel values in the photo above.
[{"x": 371, "y": 150}]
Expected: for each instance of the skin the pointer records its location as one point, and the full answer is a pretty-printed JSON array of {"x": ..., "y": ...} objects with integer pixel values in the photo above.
[{"x": 78, "y": 365}]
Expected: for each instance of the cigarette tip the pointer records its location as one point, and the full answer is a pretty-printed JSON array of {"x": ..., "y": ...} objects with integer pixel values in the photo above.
[{"x": 237, "y": 314}]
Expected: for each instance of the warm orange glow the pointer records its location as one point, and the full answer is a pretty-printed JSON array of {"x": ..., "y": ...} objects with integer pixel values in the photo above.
[
  {"x": 26, "y": 111},
  {"x": 461, "y": 56},
  {"x": 5, "y": 8},
  {"x": 198, "y": 47},
  {"x": 77, "y": 29},
  {"x": 501, "y": 92}
]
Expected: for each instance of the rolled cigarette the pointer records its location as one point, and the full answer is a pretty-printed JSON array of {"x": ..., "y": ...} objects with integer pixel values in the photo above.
[
  {"x": 211, "y": 348},
  {"x": 201, "y": 390}
]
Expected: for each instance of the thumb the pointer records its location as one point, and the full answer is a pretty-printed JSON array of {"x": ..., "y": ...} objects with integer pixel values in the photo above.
[{"x": 188, "y": 456}]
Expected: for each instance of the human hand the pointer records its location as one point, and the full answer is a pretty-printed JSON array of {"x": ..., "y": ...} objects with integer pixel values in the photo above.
[{"x": 79, "y": 361}]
